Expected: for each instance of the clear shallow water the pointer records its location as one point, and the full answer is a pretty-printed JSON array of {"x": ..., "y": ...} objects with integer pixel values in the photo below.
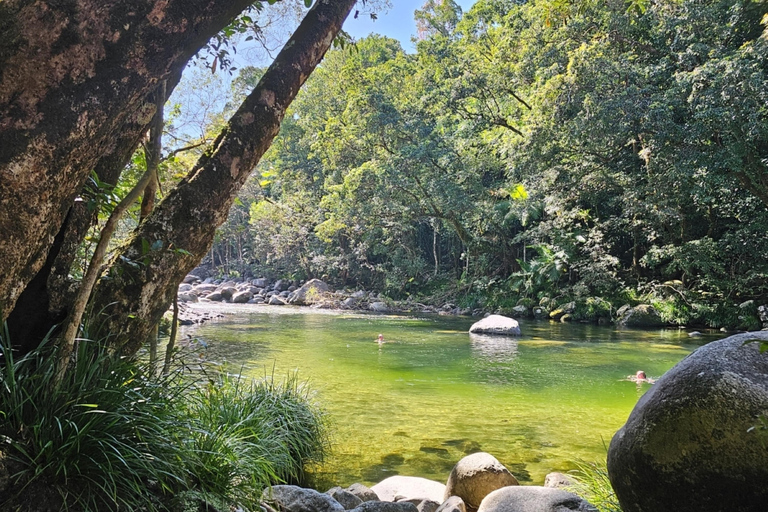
[{"x": 434, "y": 393}]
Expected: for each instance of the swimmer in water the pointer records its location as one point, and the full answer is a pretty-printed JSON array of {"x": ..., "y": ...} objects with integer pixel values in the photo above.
[
  {"x": 380, "y": 340},
  {"x": 641, "y": 377}
]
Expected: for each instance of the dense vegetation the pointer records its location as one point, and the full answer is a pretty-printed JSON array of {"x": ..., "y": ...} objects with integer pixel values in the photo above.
[
  {"x": 540, "y": 151},
  {"x": 112, "y": 435}
]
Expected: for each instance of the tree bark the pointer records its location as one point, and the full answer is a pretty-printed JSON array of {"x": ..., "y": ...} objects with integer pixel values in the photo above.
[
  {"x": 73, "y": 74},
  {"x": 139, "y": 286}
]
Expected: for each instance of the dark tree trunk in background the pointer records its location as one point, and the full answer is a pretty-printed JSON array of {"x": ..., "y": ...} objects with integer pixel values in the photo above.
[
  {"x": 74, "y": 78},
  {"x": 139, "y": 285}
]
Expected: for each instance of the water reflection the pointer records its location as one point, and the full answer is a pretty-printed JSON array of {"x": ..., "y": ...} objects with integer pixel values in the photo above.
[{"x": 493, "y": 348}]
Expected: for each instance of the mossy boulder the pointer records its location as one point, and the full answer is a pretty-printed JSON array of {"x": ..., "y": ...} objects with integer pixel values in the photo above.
[{"x": 694, "y": 442}]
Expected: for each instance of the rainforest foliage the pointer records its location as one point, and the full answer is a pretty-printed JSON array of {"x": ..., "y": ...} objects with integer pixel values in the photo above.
[{"x": 536, "y": 151}]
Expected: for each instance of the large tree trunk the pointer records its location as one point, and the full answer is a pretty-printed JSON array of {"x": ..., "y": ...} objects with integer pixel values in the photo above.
[
  {"x": 139, "y": 285},
  {"x": 73, "y": 75}
]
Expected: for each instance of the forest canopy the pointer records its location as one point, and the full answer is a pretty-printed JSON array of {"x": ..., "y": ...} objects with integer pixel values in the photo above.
[{"x": 530, "y": 151}]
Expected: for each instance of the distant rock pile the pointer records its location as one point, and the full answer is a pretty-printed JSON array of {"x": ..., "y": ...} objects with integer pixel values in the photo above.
[{"x": 478, "y": 483}]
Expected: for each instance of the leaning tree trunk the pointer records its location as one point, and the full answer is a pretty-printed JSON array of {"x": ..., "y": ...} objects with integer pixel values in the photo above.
[
  {"x": 73, "y": 75},
  {"x": 140, "y": 284}
]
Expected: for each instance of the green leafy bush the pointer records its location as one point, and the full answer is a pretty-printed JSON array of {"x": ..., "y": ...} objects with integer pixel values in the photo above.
[{"x": 109, "y": 436}]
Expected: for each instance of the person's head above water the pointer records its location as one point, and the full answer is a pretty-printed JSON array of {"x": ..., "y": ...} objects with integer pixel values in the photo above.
[
  {"x": 381, "y": 337},
  {"x": 640, "y": 375}
]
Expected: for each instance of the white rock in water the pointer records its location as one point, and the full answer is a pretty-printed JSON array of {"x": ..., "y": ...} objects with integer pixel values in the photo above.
[{"x": 496, "y": 324}]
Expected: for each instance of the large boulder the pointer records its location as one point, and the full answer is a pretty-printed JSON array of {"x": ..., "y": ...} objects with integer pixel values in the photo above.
[
  {"x": 309, "y": 293},
  {"x": 291, "y": 498},
  {"x": 404, "y": 487},
  {"x": 693, "y": 441},
  {"x": 496, "y": 324},
  {"x": 275, "y": 300},
  {"x": 534, "y": 499},
  {"x": 242, "y": 297},
  {"x": 475, "y": 476},
  {"x": 643, "y": 315}
]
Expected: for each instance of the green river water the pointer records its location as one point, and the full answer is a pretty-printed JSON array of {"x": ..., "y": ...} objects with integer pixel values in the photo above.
[{"x": 433, "y": 392}]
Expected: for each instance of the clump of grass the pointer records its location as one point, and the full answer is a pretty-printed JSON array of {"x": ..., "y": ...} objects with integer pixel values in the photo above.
[
  {"x": 114, "y": 436},
  {"x": 248, "y": 434},
  {"x": 593, "y": 485},
  {"x": 97, "y": 437}
]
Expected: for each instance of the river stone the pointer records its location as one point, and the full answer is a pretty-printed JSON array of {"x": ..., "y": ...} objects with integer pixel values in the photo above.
[
  {"x": 359, "y": 294},
  {"x": 242, "y": 297},
  {"x": 281, "y": 285},
  {"x": 215, "y": 296},
  {"x": 191, "y": 279},
  {"x": 362, "y": 492},
  {"x": 184, "y": 287},
  {"x": 558, "y": 480},
  {"x": 379, "y": 307},
  {"x": 187, "y": 297},
  {"x": 643, "y": 315},
  {"x": 346, "y": 498},
  {"x": 452, "y": 504},
  {"x": 275, "y": 300},
  {"x": 205, "y": 289},
  {"x": 309, "y": 292},
  {"x": 291, "y": 498},
  {"x": 496, "y": 324},
  {"x": 228, "y": 292},
  {"x": 349, "y": 302},
  {"x": 690, "y": 443},
  {"x": 260, "y": 282},
  {"x": 386, "y": 506},
  {"x": 408, "y": 487},
  {"x": 475, "y": 476},
  {"x": 533, "y": 499}
]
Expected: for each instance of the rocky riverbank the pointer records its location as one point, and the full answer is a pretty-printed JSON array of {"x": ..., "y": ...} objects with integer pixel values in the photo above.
[
  {"x": 477, "y": 483},
  {"x": 318, "y": 294}
]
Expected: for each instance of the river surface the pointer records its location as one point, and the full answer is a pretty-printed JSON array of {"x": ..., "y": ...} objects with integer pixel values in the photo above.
[{"x": 434, "y": 393}]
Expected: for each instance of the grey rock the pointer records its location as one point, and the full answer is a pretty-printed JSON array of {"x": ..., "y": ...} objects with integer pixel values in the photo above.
[
  {"x": 292, "y": 288},
  {"x": 242, "y": 297},
  {"x": 453, "y": 504},
  {"x": 284, "y": 294},
  {"x": 275, "y": 300},
  {"x": 379, "y": 307},
  {"x": 346, "y": 498},
  {"x": 475, "y": 476},
  {"x": 623, "y": 309},
  {"x": 215, "y": 296},
  {"x": 205, "y": 289},
  {"x": 281, "y": 285},
  {"x": 558, "y": 480},
  {"x": 644, "y": 315},
  {"x": 386, "y": 506},
  {"x": 408, "y": 487},
  {"x": 190, "y": 279},
  {"x": 208, "y": 280},
  {"x": 694, "y": 334},
  {"x": 349, "y": 302},
  {"x": 520, "y": 310},
  {"x": 310, "y": 292},
  {"x": 359, "y": 294},
  {"x": 565, "y": 309},
  {"x": 260, "y": 282},
  {"x": 363, "y": 492},
  {"x": 533, "y": 499},
  {"x": 291, "y": 498},
  {"x": 187, "y": 297},
  {"x": 690, "y": 444},
  {"x": 762, "y": 313},
  {"x": 185, "y": 287},
  {"x": 427, "y": 506},
  {"x": 228, "y": 292},
  {"x": 496, "y": 324}
]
